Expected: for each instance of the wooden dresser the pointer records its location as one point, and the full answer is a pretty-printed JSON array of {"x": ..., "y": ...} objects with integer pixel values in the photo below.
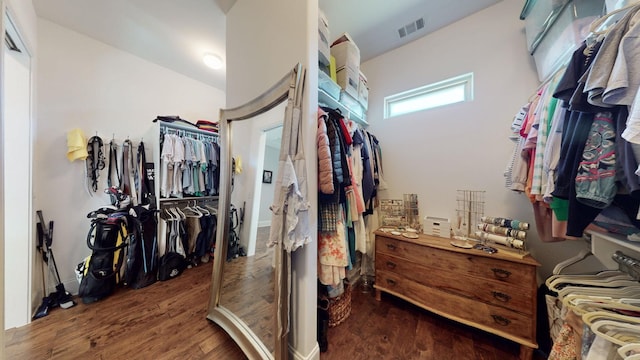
[{"x": 492, "y": 292}]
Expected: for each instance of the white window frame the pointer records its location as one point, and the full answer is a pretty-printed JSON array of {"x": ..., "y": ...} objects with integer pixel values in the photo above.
[{"x": 435, "y": 88}]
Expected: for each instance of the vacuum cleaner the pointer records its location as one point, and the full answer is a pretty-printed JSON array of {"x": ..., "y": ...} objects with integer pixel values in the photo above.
[{"x": 60, "y": 297}]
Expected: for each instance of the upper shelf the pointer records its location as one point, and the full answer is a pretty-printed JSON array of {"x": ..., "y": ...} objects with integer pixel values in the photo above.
[
  {"x": 603, "y": 245},
  {"x": 349, "y": 106}
]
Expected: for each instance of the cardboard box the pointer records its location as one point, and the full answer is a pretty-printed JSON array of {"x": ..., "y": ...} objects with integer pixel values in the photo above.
[
  {"x": 324, "y": 50},
  {"x": 363, "y": 91},
  {"x": 348, "y": 80},
  {"x": 347, "y": 54}
]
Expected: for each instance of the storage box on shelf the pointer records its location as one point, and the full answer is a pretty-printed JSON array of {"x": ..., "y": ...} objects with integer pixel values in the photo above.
[
  {"x": 348, "y": 80},
  {"x": 346, "y": 52},
  {"x": 327, "y": 85},
  {"x": 324, "y": 51},
  {"x": 347, "y": 56},
  {"x": 492, "y": 292},
  {"x": 363, "y": 91}
]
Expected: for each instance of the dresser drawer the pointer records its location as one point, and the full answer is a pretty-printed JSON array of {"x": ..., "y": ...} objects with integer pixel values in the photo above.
[
  {"x": 459, "y": 263},
  {"x": 520, "y": 299},
  {"x": 495, "y": 319}
]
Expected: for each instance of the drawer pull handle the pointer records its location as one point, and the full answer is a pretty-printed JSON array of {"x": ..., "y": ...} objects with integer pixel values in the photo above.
[
  {"x": 391, "y": 265},
  {"x": 501, "y": 320},
  {"x": 501, "y": 273},
  {"x": 391, "y": 247},
  {"x": 501, "y": 296},
  {"x": 391, "y": 282}
]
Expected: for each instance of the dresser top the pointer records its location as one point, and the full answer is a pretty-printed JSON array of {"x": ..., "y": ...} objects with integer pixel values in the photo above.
[{"x": 444, "y": 244}]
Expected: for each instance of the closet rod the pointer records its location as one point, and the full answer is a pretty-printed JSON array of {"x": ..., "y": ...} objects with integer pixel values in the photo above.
[
  {"x": 179, "y": 201},
  {"x": 190, "y": 129},
  {"x": 628, "y": 264},
  {"x": 200, "y": 135}
]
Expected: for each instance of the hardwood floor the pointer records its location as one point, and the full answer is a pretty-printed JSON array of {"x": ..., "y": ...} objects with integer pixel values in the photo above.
[
  {"x": 167, "y": 320},
  {"x": 249, "y": 292},
  {"x": 396, "y": 329}
]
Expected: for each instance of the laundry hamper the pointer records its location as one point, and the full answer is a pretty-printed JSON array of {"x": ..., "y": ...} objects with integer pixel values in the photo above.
[{"x": 340, "y": 307}]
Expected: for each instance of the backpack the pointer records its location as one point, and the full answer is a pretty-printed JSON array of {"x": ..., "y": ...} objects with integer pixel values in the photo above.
[{"x": 108, "y": 239}]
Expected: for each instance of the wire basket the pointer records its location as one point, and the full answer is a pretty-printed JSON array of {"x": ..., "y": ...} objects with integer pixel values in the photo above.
[{"x": 340, "y": 307}]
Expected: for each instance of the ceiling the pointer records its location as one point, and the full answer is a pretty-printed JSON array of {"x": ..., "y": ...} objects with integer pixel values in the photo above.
[{"x": 175, "y": 34}]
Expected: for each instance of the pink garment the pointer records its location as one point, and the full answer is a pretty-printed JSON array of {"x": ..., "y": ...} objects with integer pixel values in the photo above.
[
  {"x": 325, "y": 165},
  {"x": 544, "y": 222}
]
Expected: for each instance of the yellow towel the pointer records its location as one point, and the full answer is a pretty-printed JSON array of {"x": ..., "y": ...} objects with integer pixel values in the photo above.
[
  {"x": 238, "y": 167},
  {"x": 76, "y": 145}
]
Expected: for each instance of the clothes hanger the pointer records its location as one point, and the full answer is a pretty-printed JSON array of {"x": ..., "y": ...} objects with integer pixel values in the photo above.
[
  {"x": 596, "y": 25},
  {"x": 591, "y": 317},
  {"x": 166, "y": 211},
  {"x": 603, "y": 275},
  {"x": 624, "y": 292},
  {"x": 213, "y": 210},
  {"x": 607, "y": 283},
  {"x": 180, "y": 213},
  {"x": 203, "y": 210},
  {"x": 193, "y": 209},
  {"x": 193, "y": 212},
  {"x": 581, "y": 304},
  {"x": 629, "y": 350},
  {"x": 583, "y": 254},
  {"x": 617, "y": 332}
]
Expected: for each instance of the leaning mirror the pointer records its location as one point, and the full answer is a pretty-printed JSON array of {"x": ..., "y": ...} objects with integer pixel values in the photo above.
[{"x": 249, "y": 294}]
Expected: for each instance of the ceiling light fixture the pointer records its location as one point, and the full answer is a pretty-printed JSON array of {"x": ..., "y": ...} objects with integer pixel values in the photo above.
[{"x": 212, "y": 60}]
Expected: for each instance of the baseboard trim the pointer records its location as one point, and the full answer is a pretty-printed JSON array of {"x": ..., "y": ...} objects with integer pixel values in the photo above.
[
  {"x": 265, "y": 223},
  {"x": 313, "y": 355}
]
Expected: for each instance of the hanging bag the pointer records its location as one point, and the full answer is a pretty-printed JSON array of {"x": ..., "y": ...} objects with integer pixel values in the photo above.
[{"x": 172, "y": 263}]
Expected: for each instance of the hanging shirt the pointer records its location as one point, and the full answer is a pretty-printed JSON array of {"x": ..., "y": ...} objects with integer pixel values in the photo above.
[
  {"x": 166, "y": 169},
  {"x": 178, "y": 166}
]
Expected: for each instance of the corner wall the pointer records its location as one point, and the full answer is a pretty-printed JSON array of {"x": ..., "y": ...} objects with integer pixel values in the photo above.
[
  {"x": 462, "y": 146},
  {"x": 24, "y": 16},
  {"x": 90, "y": 85},
  {"x": 265, "y": 40}
]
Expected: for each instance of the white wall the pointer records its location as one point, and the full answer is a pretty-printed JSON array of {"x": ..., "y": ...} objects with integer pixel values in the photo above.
[
  {"x": 88, "y": 84},
  {"x": 265, "y": 39},
  {"x": 271, "y": 155},
  {"x": 17, "y": 229},
  {"x": 462, "y": 146},
  {"x": 24, "y": 18}
]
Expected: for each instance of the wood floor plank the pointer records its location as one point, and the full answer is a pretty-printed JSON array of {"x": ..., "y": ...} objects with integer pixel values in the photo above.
[
  {"x": 397, "y": 330},
  {"x": 167, "y": 320}
]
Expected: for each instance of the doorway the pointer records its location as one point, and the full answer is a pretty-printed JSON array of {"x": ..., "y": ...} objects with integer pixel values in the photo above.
[
  {"x": 273, "y": 138},
  {"x": 16, "y": 177}
]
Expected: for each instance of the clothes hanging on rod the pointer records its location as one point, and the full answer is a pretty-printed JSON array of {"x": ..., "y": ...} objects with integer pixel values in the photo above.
[
  {"x": 587, "y": 159},
  {"x": 188, "y": 229},
  {"x": 349, "y": 178},
  {"x": 189, "y": 163}
]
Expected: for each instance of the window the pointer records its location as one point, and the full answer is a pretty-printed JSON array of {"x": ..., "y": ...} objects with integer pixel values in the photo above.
[{"x": 450, "y": 91}]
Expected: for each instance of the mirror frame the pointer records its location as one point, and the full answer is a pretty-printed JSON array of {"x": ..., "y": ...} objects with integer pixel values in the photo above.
[{"x": 248, "y": 341}]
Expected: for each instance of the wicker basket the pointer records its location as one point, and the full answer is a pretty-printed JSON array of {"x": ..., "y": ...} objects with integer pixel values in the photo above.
[{"x": 340, "y": 307}]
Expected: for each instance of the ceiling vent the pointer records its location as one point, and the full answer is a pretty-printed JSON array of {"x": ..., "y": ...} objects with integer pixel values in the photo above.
[{"x": 411, "y": 27}]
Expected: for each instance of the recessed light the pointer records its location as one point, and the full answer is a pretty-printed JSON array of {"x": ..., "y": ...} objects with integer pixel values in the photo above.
[{"x": 212, "y": 60}]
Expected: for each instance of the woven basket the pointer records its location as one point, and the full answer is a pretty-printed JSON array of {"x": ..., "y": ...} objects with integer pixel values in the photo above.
[{"x": 340, "y": 307}]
